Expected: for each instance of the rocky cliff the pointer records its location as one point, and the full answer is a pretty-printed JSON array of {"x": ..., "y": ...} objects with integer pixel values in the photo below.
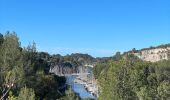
[
  {"x": 74, "y": 63},
  {"x": 154, "y": 54}
]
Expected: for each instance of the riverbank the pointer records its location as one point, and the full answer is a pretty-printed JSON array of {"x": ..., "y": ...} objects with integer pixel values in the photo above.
[
  {"x": 79, "y": 88},
  {"x": 89, "y": 84}
]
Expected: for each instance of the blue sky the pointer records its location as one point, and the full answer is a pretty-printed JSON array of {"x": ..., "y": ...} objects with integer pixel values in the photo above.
[{"x": 96, "y": 27}]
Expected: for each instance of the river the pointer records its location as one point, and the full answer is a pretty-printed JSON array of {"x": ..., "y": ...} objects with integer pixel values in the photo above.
[{"x": 78, "y": 88}]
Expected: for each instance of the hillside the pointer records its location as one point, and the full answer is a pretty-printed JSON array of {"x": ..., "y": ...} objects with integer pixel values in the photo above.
[
  {"x": 68, "y": 64},
  {"x": 126, "y": 77},
  {"x": 153, "y": 54}
]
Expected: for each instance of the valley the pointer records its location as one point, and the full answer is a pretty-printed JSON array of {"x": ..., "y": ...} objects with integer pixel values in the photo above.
[{"x": 27, "y": 73}]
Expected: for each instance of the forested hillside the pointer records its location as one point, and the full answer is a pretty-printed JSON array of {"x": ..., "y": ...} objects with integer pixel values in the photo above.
[
  {"x": 24, "y": 73},
  {"x": 153, "y": 54},
  {"x": 129, "y": 78}
]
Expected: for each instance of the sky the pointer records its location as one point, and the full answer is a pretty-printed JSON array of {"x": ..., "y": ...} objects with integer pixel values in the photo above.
[{"x": 97, "y": 27}]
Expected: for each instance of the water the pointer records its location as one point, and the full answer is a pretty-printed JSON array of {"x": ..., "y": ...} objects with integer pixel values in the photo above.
[{"x": 78, "y": 88}]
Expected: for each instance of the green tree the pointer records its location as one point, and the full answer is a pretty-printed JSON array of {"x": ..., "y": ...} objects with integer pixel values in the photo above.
[
  {"x": 115, "y": 84},
  {"x": 11, "y": 96},
  {"x": 164, "y": 91},
  {"x": 11, "y": 66},
  {"x": 26, "y": 94},
  {"x": 70, "y": 95},
  {"x": 1, "y": 39}
]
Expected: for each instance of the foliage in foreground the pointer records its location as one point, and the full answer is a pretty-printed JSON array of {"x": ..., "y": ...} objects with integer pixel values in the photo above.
[
  {"x": 132, "y": 79},
  {"x": 24, "y": 73}
]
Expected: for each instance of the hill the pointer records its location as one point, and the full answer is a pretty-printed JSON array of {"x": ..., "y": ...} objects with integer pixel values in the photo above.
[{"x": 153, "y": 54}]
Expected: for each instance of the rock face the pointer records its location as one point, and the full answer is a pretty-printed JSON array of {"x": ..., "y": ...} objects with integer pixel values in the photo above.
[
  {"x": 63, "y": 68},
  {"x": 69, "y": 64},
  {"x": 154, "y": 54}
]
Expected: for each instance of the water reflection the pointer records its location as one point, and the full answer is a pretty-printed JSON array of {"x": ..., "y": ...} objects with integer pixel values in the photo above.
[{"x": 78, "y": 88}]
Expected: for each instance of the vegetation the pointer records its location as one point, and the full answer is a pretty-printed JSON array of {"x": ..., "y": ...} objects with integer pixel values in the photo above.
[
  {"x": 24, "y": 72},
  {"x": 132, "y": 79},
  {"x": 70, "y": 95},
  {"x": 70, "y": 63},
  {"x": 164, "y": 46}
]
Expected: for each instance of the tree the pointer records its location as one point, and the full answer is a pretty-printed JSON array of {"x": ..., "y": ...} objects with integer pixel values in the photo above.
[
  {"x": 11, "y": 67},
  {"x": 117, "y": 56},
  {"x": 115, "y": 83},
  {"x": 26, "y": 67},
  {"x": 26, "y": 94},
  {"x": 11, "y": 96},
  {"x": 1, "y": 39},
  {"x": 29, "y": 59},
  {"x": 164, "y": 91},
  {"x": 70, "y": 95},
  {"x": 134, "y": 50}
]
